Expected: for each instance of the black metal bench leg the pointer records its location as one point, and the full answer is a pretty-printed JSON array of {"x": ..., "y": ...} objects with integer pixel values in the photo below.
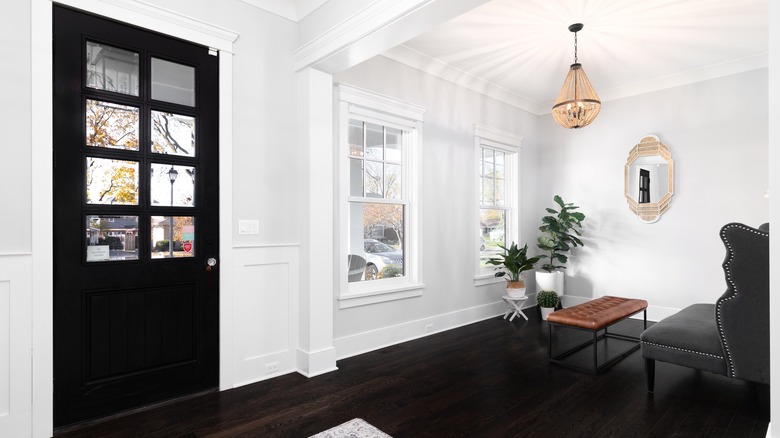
[
  {"x": 650, "y": 369},
  {"x": 549, "y": 337}
]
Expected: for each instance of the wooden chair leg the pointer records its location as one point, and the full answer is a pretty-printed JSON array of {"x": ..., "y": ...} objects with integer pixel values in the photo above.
[{"x": 650, "y": 370}]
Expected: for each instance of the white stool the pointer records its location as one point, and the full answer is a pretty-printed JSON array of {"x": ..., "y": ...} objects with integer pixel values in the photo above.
[{"x": 514, "y": 303}]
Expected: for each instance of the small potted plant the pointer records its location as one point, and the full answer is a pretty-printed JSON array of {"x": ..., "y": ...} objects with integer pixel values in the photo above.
[
  {"x": 561, "y": 233},
  {"x": 547, "y": 300},
  {"x": 511, "y": 266}
]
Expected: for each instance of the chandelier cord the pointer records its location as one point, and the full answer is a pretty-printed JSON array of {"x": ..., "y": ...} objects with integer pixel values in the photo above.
[{"x": 575, "y": 47}]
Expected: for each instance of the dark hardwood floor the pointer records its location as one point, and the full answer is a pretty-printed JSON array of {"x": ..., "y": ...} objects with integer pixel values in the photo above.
[{"x": 489, "y": 379}]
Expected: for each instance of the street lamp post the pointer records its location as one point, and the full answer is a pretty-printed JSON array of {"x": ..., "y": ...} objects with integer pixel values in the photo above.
[{"x": 172, "y": 174}]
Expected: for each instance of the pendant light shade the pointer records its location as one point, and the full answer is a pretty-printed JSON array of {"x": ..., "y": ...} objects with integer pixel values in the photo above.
[{"x": 577, "y": 104}]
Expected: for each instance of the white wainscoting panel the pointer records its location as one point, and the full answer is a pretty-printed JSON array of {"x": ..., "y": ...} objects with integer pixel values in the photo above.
[
  {"x": 264, "y": 312},
  {"x": 15, "y": 345}
]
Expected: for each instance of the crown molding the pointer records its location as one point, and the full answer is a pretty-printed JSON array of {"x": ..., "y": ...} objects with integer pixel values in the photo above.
[
  {"x": 442, "y": 70},
  {"x": 714, "y": 71}
]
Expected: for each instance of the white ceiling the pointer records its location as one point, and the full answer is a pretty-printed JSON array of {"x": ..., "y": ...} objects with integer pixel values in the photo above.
[
  {"x": 294, "y": 10},
  {"x": 520, "y": 50}
]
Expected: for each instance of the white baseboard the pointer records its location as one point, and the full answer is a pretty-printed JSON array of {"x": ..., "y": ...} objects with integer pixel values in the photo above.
[
  {"x": 654, "y": 313},
  {"x": 359, "y": 343}
]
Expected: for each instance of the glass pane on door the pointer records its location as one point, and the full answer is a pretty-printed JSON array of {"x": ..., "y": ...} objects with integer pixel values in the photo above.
[
  {"x": 173, "y": 82},
  {"x": 112, "y": 181},
  {"x": 112, "y": 69},
  {"x": 173, "y": 134},
  {"x": 172, "y": 186},
  {"x": 183, "y": 230},
  {"x": 111, "y": 238},
  {"x": 110, "y": 125},
  {"x": 356, "y": 138}
]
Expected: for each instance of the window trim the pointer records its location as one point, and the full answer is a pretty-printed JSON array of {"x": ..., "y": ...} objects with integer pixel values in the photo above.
[
  {"x": 511, "y": 144},
  {"x": 359, "y": 104}
]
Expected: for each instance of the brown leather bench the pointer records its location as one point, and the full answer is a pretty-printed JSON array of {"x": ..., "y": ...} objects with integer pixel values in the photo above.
[{"x": 595, "y": 316}]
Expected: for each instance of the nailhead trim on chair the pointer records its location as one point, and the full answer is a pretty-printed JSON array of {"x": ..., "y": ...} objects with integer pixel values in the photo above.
[
  {"x": 726, "y": 268},
  {"x": 683, "y": 349}
]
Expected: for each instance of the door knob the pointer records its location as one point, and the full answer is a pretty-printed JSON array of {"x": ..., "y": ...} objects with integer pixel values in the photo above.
[{"x": 210, "y": 263}]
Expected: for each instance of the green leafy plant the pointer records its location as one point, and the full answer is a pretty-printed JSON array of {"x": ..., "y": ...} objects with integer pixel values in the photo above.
[
  {"x": 513, "y": 262},
  {"x": 561, "y": 234},
  {"x": 547, "y": 298},
  {"x": 390, "y": 271}
]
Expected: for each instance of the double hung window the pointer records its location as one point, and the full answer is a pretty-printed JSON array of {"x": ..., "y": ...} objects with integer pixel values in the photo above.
[
  {"x": 497, "y": 153},
  {"x": 379, "y": 145}
]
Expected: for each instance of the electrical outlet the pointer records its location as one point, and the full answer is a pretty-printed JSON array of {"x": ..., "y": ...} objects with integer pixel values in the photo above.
[
  {"x": 429, "y": 327},
  {"x": 250, "y": 226},
  {"x": 271, "y": 367}
]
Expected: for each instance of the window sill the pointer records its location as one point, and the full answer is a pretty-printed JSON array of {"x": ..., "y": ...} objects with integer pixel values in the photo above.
[
  {"x": 486, "y": 279},
  {"x": 347, "y": 301}
]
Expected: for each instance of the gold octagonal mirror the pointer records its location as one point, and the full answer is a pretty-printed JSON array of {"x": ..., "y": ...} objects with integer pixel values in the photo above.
[{"x": 649, "y": 179}]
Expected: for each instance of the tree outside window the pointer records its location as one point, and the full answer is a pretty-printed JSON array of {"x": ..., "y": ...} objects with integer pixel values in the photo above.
[{"x": 376, "y": 205}]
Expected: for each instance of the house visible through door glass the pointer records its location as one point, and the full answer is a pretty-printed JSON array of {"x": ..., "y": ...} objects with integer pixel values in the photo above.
[
  {"x": 112, "y": 69},
  {"x": 111, "y": 238}
]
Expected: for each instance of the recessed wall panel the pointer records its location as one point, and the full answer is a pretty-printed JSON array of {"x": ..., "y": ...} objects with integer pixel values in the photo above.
[{"x": 265, "y": 319}]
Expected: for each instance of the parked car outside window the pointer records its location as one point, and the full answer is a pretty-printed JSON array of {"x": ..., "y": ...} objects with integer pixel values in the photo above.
[{"x": 379, "y": 257}]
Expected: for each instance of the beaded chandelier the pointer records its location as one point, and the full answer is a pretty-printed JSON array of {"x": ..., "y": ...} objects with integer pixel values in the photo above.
[{"x": 577, "y": 104}]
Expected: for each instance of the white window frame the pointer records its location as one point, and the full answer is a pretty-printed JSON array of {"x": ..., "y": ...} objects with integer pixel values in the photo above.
[
  {"x": 358, "y": 104},
  {"x": 511, "y": 144}
]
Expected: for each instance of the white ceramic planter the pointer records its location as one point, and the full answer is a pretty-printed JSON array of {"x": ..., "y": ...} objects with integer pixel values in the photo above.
[
  {"x": 546, "y": 311},
  {"x": 515, "y": 292},
  {"x": 549, "y": 281}
]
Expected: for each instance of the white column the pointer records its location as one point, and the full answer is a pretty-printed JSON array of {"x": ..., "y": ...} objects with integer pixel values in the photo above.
[{"x": 316, "y": 354}]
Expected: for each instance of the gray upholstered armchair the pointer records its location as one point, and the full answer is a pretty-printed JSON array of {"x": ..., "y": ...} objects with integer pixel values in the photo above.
[{"x": 730, "y": 337}]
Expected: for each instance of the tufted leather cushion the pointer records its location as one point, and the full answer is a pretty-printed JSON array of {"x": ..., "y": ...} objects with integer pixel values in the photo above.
[{"x": 599, "y": 313}]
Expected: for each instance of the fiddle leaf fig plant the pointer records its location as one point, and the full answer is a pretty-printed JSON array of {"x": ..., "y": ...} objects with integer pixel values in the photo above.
[
  {"x": 513, "y": 262},
  {"x": 561, "y": 233}
]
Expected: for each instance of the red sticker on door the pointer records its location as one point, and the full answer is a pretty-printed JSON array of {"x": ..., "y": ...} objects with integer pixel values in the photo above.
[{"x": 187, "y": 246}]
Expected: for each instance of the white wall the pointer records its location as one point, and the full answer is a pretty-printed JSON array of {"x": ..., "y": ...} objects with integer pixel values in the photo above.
[
  {"x": 717, "y": 133},
  {"x": 449, "y": 197},
  {"x": 15, "y": 123}
]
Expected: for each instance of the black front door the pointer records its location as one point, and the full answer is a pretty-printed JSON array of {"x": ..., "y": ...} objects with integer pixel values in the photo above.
[{"x": 136, "y": 214}]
